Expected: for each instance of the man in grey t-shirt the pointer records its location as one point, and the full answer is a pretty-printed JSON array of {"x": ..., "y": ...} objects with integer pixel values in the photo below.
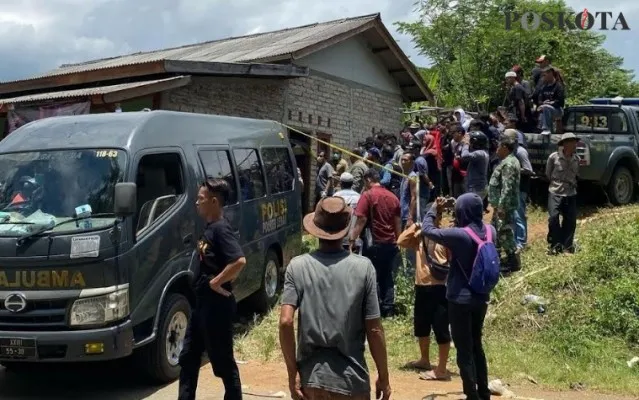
[{"x": 335, "y": 294}]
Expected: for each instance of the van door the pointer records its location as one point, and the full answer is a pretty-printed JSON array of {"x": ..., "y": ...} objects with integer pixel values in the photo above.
[
  {"x": 216, "y": 163},
  {"x": 164, "y": 225},
  {"x": 252, "y": 193}
]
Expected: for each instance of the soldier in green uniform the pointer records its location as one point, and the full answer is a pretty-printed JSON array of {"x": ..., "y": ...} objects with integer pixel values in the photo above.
[{"x": 503, "y": 195}]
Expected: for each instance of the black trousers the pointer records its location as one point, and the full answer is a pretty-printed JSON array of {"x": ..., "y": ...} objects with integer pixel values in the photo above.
[
  {"x": 561, "y": 235},
  {"x": 466, "y": 326},
  {"x": 383, "y": 257},
  {"x": 210, "y": 330}
]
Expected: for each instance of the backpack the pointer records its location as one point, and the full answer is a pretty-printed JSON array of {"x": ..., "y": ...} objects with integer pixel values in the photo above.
[{"x": 486, "y": 267}]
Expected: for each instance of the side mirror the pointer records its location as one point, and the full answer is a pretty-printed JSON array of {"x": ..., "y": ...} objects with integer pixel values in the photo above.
[{"x": 125, "y": 202}]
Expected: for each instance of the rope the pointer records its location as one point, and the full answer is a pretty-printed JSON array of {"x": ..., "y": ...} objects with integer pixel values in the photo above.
[{"x": 344, "y": 151}]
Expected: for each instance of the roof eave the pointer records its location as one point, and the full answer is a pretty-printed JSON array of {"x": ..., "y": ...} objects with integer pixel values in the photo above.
[
  {"x": 406, "y": 62},
  {"x": 78, "y": 78},
  {"x": 236, "y": 69},
  {"x": 409, "y": 67}
]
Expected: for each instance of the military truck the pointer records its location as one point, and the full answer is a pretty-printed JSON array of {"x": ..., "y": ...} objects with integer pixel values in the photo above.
[
  {"x": 98, "y": 230},
  {"x": 609, "y": 132}
]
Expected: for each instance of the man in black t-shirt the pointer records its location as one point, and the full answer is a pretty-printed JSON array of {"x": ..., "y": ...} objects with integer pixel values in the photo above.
[
  {"x": 211, "y": 325},
  {"x": 519, "y": 103}
]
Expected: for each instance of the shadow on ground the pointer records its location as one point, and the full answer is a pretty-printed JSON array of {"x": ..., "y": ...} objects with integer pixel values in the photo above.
[
  {"x": 113, "y": 380},
  {"x": 95, "y": 381}
]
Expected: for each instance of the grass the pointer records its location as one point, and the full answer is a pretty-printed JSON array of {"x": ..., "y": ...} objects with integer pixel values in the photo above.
[{"x": 590, "y": 328}]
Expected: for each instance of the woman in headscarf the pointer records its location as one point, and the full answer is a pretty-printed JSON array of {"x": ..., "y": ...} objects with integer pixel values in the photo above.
[
  {"x": 466, "y": 309},
  {"x": 431, "y": 155},
  {"x": 461, "y": 117}
]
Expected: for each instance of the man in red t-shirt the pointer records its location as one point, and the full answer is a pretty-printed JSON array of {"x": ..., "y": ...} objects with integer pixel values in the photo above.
[{"x": 378, "y": 210}]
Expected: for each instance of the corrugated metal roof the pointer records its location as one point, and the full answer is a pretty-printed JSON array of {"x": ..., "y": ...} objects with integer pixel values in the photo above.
[
  {"x": 93, "y": 91},
  {"x": 239, "y": 49}
]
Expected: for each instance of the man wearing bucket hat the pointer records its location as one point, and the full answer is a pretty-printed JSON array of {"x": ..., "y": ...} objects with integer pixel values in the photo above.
[
  {"x": 562, "y": 170},
  {"x": 335, "y": 294}
]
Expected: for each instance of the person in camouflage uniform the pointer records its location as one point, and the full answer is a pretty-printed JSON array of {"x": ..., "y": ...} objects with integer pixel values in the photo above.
[{"x": 503, "y": 195}]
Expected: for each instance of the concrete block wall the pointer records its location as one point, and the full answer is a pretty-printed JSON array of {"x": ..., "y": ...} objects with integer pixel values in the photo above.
[
  {"x": 348, "y": 112},
  {"x": 238, "y": 97}
]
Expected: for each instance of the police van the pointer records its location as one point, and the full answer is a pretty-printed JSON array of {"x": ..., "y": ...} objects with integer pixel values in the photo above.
[{"x": 98, "y": 228}]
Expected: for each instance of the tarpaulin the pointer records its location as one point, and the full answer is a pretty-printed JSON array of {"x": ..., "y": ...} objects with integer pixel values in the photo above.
[{"x": 22, "y": 115}]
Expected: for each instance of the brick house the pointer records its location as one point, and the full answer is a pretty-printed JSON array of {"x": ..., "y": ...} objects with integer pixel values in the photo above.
[{"x": 340, "y": 81}]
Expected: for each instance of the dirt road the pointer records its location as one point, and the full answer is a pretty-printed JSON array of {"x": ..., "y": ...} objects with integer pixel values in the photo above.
[{"x": 261, "y": 381}]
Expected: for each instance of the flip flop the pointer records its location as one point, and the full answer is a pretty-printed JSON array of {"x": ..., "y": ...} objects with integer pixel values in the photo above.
[
  {"x": 415, "y": 365},
  {"x": 430, "y": 376}
]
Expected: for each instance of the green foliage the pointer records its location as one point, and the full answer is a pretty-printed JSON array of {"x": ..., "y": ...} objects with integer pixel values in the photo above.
[
  {"x": 593, "y": 296},
  {"x": 309, "y": 243},
  {"x": 471, "y": 50}
]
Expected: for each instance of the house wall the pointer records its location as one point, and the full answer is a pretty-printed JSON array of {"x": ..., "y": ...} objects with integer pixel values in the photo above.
[
  {"x": 319, "y": 104},
  {"x": 239, "y": 97},
  {"x": 354, "y": 61}
]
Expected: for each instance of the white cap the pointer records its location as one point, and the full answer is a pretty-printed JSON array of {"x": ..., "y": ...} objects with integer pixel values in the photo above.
[
  {"x": 346, "y": 177},
  {"x": 511, "y": 74}
]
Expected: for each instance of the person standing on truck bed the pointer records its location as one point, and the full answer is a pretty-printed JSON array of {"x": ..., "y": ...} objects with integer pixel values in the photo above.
[
  {"x": 519, "y": 103},
  {"x": 562, "y": 170},
  {"x": 503, "y": 195},
  {"x": 550, "y": 99},
  {"x": 541, "y": 62},
  {"x": 211, "y": 325}
]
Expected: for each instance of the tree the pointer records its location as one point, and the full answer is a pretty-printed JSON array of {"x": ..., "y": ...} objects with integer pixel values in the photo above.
[{"x": 471, "y": 50}]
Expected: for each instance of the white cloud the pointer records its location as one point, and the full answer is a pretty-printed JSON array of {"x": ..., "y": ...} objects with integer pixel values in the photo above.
[{"x": 38, "y": 35}]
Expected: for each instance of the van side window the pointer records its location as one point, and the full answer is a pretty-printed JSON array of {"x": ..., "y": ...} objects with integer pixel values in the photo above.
[
  {"x": 279, "y": 169},
  {"x": 160, "y": 183},
  {"x": 217, "y": 164},
  {"x": 250, "y": 174}
]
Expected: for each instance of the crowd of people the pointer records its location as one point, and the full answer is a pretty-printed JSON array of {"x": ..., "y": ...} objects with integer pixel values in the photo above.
[{"x": 393, "y": 194}]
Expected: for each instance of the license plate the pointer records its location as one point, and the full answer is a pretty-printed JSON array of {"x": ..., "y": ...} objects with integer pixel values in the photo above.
[{"x": 17, "y": 348}]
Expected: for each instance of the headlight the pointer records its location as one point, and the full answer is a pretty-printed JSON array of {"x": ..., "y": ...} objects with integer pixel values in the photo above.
[{"x": 100, "y": 309}]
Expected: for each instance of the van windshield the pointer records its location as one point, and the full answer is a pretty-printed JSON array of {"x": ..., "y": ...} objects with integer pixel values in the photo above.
[{"x": 46, "y": 188}]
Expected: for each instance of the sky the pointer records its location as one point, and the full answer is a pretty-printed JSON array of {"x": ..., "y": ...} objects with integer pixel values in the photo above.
[{"x": 39, "y": 35}]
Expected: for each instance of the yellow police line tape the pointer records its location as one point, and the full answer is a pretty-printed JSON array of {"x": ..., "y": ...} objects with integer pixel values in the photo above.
[{"x": 343, "y": 151}]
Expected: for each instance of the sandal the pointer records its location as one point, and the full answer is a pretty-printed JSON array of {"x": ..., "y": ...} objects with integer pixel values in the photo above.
[
  {"x": 416, "y": 365},
  {"x": 432, "y": 376}
]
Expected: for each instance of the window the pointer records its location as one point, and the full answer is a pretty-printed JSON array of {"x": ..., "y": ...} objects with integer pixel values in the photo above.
[
  {"x": 617, "y": 122},
  {"x": 597, "y": 121},
  {"x": 250, "y": 174},
  {"x": 160, "y": 183},
  {"x": 279, "y": 169},
  {"x": 217, "y": 164}
]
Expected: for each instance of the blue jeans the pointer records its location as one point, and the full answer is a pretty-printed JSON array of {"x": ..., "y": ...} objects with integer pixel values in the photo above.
[
  {"x": 383, "y": 257},
  {"x": 521, "y": 221},
  {"x": 548, "y": 114}
]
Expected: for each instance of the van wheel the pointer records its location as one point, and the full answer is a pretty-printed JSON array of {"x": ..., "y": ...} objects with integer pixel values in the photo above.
[
  {"x": 272, "y": 281},
  {"x": 161, "y": 357},
  {"x": 621, "y": 187}
]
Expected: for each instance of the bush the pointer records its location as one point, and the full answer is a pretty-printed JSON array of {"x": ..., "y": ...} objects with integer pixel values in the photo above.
[{"x": 592, "y": 296}]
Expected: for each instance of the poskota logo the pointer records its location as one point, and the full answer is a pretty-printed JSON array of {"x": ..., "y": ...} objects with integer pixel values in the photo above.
[{"x": 585, "y": 20}]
